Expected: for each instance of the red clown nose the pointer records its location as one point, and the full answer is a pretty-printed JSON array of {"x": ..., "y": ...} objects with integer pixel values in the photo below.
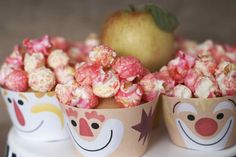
[{"x": 206, "y": 126}]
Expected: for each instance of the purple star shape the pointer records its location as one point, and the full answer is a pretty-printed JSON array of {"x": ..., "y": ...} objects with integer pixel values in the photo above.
[{"x": 145, "y": 125}]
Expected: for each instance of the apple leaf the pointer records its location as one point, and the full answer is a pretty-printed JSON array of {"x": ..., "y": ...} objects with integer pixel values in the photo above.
[{"x": 163, "y": 18}]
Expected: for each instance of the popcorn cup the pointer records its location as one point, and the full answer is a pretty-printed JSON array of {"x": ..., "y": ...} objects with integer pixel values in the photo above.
[
  {"x": 35, "y": 116},
  {"x": 201, "y": 124},
  {"x": 111, "y": 132}
]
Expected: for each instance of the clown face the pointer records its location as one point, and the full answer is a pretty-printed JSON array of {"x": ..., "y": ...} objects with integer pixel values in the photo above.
[
  {"x": 202, "y": 124},
  {"x": 35, "y": 115},
  {"x": 98, "y": 136}
]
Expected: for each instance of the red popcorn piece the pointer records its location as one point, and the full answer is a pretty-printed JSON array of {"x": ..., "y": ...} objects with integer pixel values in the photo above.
[
  {"x": 106, "y": 84},
  {"x": 42, "y": 80},
  {"x": 64, "y": 74},
  {"x": 179, "y": 66},
  {"x": 17, "y": 80},
  {"x": 60, "y": 43},
  {"x": 5, "y": 70},
  {"x": 85, "y": 73},
  {"x": 206, "y": 65},
  {"x": 42, "y": 45},
  {"x": 92, "y": 40},
  {"x": 16, "y": 58},
  {"x": 182, "y": 91},
  {"x": 103, "y": 55},
  {"x": 64, "y": 92},
  {"x": 57, "y": 58},
  {"x": 128, "y": 68},
  {"x": 206, "y": 87},
  {"x": 129, "y": 95},
  {"x": 33, "y": 61},
  {"x": 166, "y": 83},
  {"x": 191, "y": 78},
  {"x": 83, "y": 97},
  {"x": 151, "y": 87},
  {"x": 227, "y": 79}
]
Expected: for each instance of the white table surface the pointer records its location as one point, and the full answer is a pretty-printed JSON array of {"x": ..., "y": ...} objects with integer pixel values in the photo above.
[{"x": 160, "y": 146}]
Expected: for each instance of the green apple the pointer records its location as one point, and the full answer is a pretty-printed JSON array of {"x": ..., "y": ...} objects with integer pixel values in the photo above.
[{"x": 147, "y": 35}]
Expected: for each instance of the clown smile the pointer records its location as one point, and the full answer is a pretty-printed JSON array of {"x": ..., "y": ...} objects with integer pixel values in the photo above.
[
  {"x": 92, "y": 150},
  {"x": 30, "y": 131},
  {"x": 219, "y": 137}
]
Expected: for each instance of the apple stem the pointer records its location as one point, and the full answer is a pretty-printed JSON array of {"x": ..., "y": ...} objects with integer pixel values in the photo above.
[{"x": 132, "y": 7}]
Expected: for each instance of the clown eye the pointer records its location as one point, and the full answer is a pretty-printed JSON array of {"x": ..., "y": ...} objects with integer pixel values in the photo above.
[
  {"x": 73, "y": 123},
  {"x": 20, "y": 102},
  {"x": 95, "y": 125},
  {"x": 9, "y": 100},
  {"x": 191, "y": 117},
  {"x": 220, "y": 116}
]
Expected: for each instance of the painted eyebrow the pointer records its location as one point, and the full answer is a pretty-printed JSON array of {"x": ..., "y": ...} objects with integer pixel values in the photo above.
[
  {"x": 185, "y": 107},
  {"x": 232, "y": 102},
  {"x": 224, "y": 105},
  {"x": 23, "y": 97},
  {"x": 175, "y": 106}
]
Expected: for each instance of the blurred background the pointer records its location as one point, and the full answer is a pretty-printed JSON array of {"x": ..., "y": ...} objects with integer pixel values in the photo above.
[{"x": 75, "y": 19}]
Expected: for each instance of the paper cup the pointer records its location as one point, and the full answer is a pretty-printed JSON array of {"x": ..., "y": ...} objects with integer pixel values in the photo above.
[
  {"x": 111, "y": 132},
  {"x": 201, "y": 124},
  {"x": 35, "y": 116}
]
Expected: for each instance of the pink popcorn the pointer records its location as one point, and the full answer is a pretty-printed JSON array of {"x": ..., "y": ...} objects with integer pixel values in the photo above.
[
  {"x": 57, "y": 58},
  {"x": 165, "y": 82},
  {"x": 151, "y": 87},
  {"x": 60, "y": 43},
  {"x": 179, "y": 66},
  {"x": 33, "y": 61},
  {"x": 191, "y": 78},
  {"x": 5, "y": 70},
  {"x": 205, "y": 87},
  {"x": 206, "y": 65},
  {"x": 83, "y": 97},
  {"x": 42, "y": 45},
  {"x": 42, "y": 79},
  {"x": 86, "y": 72},
  {"x": 182, "y": 91},
  {"x": 129, "y": 95},
  {"x": 92, "y": 40},
  {"x": 106, "y": 84},
  {"x": 64, "y": 74},
  {"x": 64, "y": 92},
  {"x": 103, "y": 55},
  {"x": 227, "y": 80},
  {"x": 15, "y": 60},
  {"x": 17, "y": 80},
  {"x": 128, "y": 68}
]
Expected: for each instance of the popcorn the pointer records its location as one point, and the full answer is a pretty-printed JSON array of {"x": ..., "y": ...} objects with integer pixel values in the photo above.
[
  {"x": 182, "y": 91},
  {"x": 83, "y": 97},
  {"x": 42, "y": 45},
  {"x": 206, "y": 88},
  {"x": 64, "y": 92},
  {"x": 106, "y": 84},
  {"x": 129, "y": 95},
  {"x": 206, "y": 65},
  {"x": 64, "y": 74},
  {"x": 60, "y": 43},
  {"x": 15, "y": 60},
  {"x": 92, "y": 40},
  {"x": 5, "y": 70},
  {"x": 151, "y": 87},
  {"x": 57, "y": 58},
  {"x": 103, "y": 55},
  {"x": 128, "y": 68},
  {"x": 179, "y": 66},
  {"x": 85, "y": 73},
  {"x": 191, "y": 78},
  {"x": 42, "y": 80},
  {"x": 33, "y": 61},
  {"x": 17, "y": 80},
  {"x": 227, "y": 78}
]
